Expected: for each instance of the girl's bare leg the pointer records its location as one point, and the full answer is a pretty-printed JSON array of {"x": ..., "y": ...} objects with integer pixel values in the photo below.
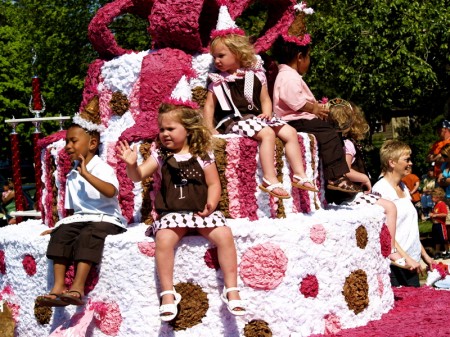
[
  {"x": 292, "y": 148},
  {"x": 266, "y": 139},
  {"x": 222, "y": 238},
  {"x": 166, "y": 240}
]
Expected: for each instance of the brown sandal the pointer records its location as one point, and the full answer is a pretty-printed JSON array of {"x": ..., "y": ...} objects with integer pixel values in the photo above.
[{"x": 343, "y": 184}]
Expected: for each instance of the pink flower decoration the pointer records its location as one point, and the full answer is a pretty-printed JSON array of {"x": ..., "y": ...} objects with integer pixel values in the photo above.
[
  {"x": 105, "y": 109},
  {"x": 301, "y": 196},
  {"x": 64, "y": 166},
  {"x": 2, "y": 262},
  {"x": 442, "y": 269},
  {"x": 29, "y": 264},
  {"x": 318, "y": 234},
  {"x": 211, "y": 258},
  {"x": 309, "y": 286},
  {"x": 147, "y": 248},
  {"x": 332, "y": 324},
  {"x": 385, "y": 241},
  {"x": 380, "y": 285},
  {"x": 91, "y": 280},
  {"x": 8, "y": 296},
  {"x": 8, "y": 290},
  {"x": 263, "y": 266},
  {"x": 107, "y": 317}
]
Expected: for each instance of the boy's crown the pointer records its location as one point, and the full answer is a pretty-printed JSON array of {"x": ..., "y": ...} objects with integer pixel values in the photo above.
[
  {"x": 89, "y": 118},
  {"x": 296, "y": 33}
]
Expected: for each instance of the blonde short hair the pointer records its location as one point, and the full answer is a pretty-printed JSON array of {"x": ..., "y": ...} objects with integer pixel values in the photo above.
[
  {"x": 438, "y": 192},
  {"x": 392, "y": 150},
  {"x": 239, "y": 45}
]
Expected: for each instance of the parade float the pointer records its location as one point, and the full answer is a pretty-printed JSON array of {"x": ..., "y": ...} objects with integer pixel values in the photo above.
[{"x": 303, "y": 267}]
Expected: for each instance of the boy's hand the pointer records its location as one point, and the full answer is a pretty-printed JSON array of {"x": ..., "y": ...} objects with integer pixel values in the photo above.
[
  {"x": 127, "y": 154},
  {"x": 320, "y": 110},
  {"x": 82, "y": 166}
]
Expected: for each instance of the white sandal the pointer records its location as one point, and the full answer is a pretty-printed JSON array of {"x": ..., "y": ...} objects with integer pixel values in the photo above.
[
  {"x": 300, "y": 183},
  {"x": 232, "y": 305},
  {"x": 270, "y": 187},
  {"x": 171, "y": 308}
]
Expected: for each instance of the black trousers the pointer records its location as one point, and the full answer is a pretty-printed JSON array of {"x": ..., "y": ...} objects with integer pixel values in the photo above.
[
  {"x": 404, "y": 277},
  {"x": 331, "y": 146},
  {"x": 80, "y": 241}
]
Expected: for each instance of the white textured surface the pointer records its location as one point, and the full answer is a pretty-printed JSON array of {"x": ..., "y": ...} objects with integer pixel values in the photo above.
[{"x": 128, "y": 277}]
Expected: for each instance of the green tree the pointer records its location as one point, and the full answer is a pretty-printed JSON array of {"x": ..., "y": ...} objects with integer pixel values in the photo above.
[
  {"x": 57, "y": 32},
  {"x": 384, "y": 55},
  {"x": 389, "y": 57}
]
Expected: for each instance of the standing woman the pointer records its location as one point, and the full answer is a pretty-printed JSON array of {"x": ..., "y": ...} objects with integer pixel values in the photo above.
[{"x": 395, "y": 158}]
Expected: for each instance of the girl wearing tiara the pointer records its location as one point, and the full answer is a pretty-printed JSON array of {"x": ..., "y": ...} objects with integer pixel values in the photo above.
[{"x": 348, "y": 119}]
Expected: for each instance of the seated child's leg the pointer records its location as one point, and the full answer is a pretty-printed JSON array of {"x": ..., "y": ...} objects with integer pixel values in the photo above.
[
  {"x": 331, "y": 150},
  {"x": 293, "y": 153},
  {"x": 166, "y": 240},
  {"x": 266, "y": 138},
  {"x": 59, "y": 273},
  {"x": 59, "y": 250},
  {"x": 223, "y": 239}
]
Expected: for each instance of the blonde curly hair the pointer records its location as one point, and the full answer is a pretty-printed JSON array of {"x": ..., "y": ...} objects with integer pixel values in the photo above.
[
  {"x": 199, "y": 136},
  {"x": 239, "y": 45},
  {"x": 360, "y": 127}
]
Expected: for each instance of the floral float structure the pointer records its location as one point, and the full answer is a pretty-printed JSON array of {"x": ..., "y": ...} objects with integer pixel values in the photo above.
[{"x": 303, "y": 269}]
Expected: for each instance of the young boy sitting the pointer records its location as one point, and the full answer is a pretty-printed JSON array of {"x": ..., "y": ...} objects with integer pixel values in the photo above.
[
  {"x": 294, "y": 102},
  {"x": 439, "y": 230},
  {"x": 91, "y": 191}
]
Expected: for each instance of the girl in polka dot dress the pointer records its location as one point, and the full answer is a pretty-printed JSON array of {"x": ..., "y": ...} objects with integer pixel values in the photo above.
[
  {"x": 348, "y": 119},
  {"x": 188, "y": 198},
  {"x": 238, "y": 102}
]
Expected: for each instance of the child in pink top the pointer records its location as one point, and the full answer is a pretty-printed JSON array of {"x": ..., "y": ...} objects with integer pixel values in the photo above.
[{"x": 294, "y": 102}]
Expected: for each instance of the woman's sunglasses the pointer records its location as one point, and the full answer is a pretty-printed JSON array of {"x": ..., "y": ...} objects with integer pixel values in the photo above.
[{"x": 444, "y": 156}]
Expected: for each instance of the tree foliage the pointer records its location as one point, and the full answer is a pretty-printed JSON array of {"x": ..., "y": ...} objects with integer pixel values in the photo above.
[
  {"x": 387, "y": 56},
  {"x": 57, "y": 32}
]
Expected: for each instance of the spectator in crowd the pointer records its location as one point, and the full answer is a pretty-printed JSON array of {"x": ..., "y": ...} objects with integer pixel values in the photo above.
[
  {"x": 444, "y": 176},
  {"x": 8, "y": 201},
  {"x": 434, "y": 156},
  {"x": 427, "y": 184},
  {"x": 412, "y": 182},
  {"x": 439, "y": 229}
]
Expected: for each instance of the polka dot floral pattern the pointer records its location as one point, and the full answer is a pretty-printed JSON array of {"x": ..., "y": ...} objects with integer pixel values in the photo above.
[
  {"x": 263, "y": 266},
  {"x": 356, "y": 291}
]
